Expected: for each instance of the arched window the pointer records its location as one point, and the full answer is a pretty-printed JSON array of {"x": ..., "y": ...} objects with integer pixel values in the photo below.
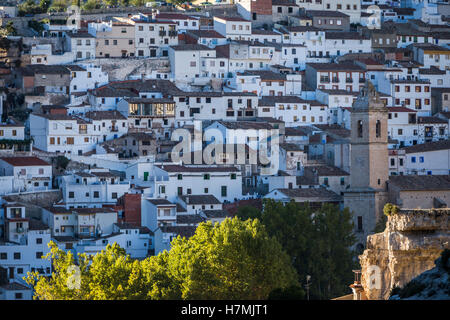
[
  {"x": 360, "y": 129},
  {"x": 378, "y": 129}
]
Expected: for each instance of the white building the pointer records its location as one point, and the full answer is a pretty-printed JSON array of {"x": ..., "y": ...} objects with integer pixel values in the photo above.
[
  {"x": 92, "y": 189},
  {"x": 224, "y": 182},
  {"x": 293, "y": 110},
  {"x": 234, "y": 28},
  {"x": 30, "y": 173},
  {"x": 412, "y": 94},
  {"x": 229, "y": 106},
  {"x": 153, "y": 37},
  {"x": 431, "y": 158},
  {"x": 82, "y": 44},
  {"x": 266, "y": 83},
  {"x": 75, "y": 134},
  {"x": 335, "y": 76},
  {"x": 85, "y": 77},
  {"x": 23, "y": 244}
]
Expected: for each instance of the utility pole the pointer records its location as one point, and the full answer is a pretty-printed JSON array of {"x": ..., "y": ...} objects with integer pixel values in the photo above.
[{"x": 308, "y": 283}]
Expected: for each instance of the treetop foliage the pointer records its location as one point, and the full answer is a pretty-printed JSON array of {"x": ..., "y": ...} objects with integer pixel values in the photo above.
[{"x": 232, "y": 260}]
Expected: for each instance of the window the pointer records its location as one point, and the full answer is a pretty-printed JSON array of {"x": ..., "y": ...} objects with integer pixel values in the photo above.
[
  {"x": 96, "y": 194},
  {"x": 180, "y": 176},
  {"x": 206, "y": 176},
  {"x": 360, "y": 223},
  {"x": 39, "y": 255},
  {"x": 360, "y": 129},
  {"x": 16, "y": 255},
  {"x": 18, "y": 295},
  {"x": 38, "y": 240},
  {"x": 224, "y": 191},
  {"x": 114, "y": 195},
  {"x": 3, "y": 256},
  {"x": 413, "y": 159},
  {"x": 421, "y": 159},
  {"x": 71, "y": 194},
  {"x": 378, "y": 129}
]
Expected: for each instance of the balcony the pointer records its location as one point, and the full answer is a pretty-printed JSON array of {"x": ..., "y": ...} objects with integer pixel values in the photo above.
[
  {"x": 114, "y": 129},
  {"x": 162, "y": 33},
  {"x": 335, "y": 80},
  {"x": 349, "y": 80},
  {"x": 362, "y": 80},
  {"x": 325, "y": 80},
  {"x": 173, "y": 34}
]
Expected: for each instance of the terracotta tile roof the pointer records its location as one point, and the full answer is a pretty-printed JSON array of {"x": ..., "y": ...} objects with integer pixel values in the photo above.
[
  {"x": 205, "y": 169},
  {"x": 14, "y": 286},
  {"x": 214, "y": 214},
  {"x": 420, "y": 182},
  {"x": 227, "y": 18},
  {"x": 429, "y": 120},
  {"x": 190, "y": 219},
  {"x": 160, "y": 202},
  {"x": 428, "y": 146},
  {"x": 311, "y": 193},
  {"x": 105, "y": 115},
  {"x": 194, "y": 199},
  {"x": 25, "y": 161},
  {"x": 327, "y": 170},
  {"x": 183, "y": 231}
]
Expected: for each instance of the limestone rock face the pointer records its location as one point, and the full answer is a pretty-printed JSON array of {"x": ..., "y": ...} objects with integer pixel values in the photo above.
[{"x": 410, "y": 244}]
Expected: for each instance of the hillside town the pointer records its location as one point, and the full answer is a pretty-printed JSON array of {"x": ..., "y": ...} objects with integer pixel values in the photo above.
[{"x": 134, "y": 125}]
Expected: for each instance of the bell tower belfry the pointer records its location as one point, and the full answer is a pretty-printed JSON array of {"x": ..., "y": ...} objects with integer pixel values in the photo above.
[
  {"x": 368, "y": 161},
  {"x": 369, "y": 141}
]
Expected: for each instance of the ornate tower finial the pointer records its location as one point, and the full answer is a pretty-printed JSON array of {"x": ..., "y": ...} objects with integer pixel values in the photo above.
[{"x": 368, "y": 97}]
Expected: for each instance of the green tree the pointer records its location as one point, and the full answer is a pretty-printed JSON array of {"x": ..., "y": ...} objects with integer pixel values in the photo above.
[
  {"x": 248, "y": 212},
  {"x": 318, "y": 242},
  {"x": 44, "y": 5},
  {"x": 91, "y": 5},
  {"x": 232, "y": 260},
  {"x": 59, "y": 6},
  {"x": 109, "y": 275},
  {"x": 139, "y": 3}
]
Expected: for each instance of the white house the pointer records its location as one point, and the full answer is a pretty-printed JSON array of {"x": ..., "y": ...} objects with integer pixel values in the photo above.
[
  {"x": 85, "y": 77},
  {"x": 171, "y": 181},
  {"x": 293, "y": 110},
  {"x": 82, "y": 44},
  {"x": 30, "y": 173},
  {"x": 24, "y": 243},
  {"x": 92, "y": 189},
  {"x": 431, "y": 158},
  {"x": 233, "y": 27}
]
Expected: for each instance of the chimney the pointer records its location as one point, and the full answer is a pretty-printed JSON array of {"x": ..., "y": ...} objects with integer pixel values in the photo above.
[{"x": 357, "y": 287}]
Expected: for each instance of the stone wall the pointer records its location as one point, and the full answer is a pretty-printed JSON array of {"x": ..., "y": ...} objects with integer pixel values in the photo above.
[{"x": 410, "y": 244}]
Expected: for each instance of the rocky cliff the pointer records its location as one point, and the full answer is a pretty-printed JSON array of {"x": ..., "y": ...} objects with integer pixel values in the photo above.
[
  {"x": 433, "y": 284},
  {"x": 410, "y": 244}
]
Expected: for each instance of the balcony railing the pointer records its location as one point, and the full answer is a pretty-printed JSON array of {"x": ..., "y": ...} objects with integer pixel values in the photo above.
[
  {"x": 162, "y": 33},
  {"x": 335, "y": 79},
  {"x": 173, "y": 33},
  {"x": 349, "y": 80},
  {"x": 325, "y": 80}
]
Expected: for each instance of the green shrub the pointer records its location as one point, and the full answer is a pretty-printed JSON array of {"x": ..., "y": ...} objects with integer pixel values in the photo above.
[{"x": 390, "y": 209}]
